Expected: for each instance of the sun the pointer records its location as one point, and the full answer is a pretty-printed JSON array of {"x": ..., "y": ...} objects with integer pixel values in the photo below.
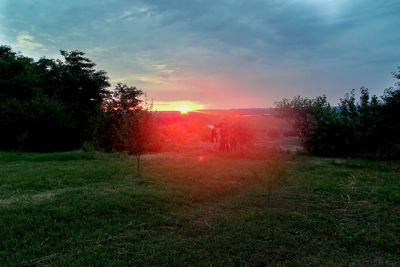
[{"x": 183, "y": 109}]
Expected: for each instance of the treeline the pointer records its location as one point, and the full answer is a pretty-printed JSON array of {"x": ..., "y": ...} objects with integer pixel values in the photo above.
[
  {"x": 368, "y": 125},
  {"x": 54, "y": 105}
]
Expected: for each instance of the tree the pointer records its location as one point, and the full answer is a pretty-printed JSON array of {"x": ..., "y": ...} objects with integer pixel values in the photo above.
[
  {"x": 136, "y": 131},
  {"x": 350, "y": 122},
  {"x": 316, "y": 123},
  {"x": 120, "y": 101},
  {"x": 82, "y": 90},
  {"x": 127, "y": 123},
  {"x": 48, "y": 104},
  {"x": 124, "y": 98},
  {"x": 391, "y": 119},
  {"x": 365, "y": 126}
]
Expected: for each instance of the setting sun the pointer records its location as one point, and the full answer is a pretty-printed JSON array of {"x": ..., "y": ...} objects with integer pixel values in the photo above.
[
  {"x": 182, "y": 106},
  {"x": 183, "y": 109}
]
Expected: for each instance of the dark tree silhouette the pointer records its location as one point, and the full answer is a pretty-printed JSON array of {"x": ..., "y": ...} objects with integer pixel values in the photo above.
[
  {"x": 128, "y": 122},
  {"x": 137, "y": 132},
  {"x": 47, "y": 105},
  {"x": 369, "y": 125}
]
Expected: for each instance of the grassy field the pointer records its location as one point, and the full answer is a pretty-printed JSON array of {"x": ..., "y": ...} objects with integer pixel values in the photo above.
[{"x": 78, "y": 208}]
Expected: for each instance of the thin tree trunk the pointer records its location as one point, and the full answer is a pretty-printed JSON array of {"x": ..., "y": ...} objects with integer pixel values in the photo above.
[
  {"x": 138, "y": 165},
  {"x": 269, "y": 190},
  {"x": 379, "y": 151}
]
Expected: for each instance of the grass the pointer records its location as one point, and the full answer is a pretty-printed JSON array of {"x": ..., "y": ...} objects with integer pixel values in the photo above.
[{"x": 78, "y": 208}]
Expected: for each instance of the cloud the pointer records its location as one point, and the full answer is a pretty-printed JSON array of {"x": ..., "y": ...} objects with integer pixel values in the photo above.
[
  {"x": 95, "y": 50},
  {"x": 259, "y": 51},
  {"x": 26, "y": 42}
]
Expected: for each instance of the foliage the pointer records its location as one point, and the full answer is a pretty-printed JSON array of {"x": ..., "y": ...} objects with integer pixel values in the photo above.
[
  {"x": 369, "y": 125},
  {"x": 136, "y": 132},
  {"x": 105, "y": 126},
  {"x": 126, "y": 123},
  {"x": 315, "y": 122},
  {"x": 123, "y": 98},
  {"x": 47, "y": 105},
  {"x": 390, "y": 128}
]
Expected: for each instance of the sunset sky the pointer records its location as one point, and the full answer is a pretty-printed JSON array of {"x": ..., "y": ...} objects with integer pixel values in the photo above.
[{"x": 218, "y": 54}]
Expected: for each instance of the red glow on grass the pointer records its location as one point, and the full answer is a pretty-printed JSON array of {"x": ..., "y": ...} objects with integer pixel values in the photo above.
[{"x": 200, "y": 158}]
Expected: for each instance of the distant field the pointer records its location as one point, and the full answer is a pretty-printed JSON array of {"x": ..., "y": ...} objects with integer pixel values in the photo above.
[{"x": 90, "y": 209}]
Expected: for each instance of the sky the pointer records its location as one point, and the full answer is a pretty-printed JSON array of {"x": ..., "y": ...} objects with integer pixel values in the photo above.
[{"x": 218, "y": 54}]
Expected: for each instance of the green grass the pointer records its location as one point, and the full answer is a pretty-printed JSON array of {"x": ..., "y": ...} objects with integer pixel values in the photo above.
[{"x": 77, "y": 208}]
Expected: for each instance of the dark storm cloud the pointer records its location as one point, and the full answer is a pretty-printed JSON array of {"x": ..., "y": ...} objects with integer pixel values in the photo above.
[{"x": 270, "y": 26}]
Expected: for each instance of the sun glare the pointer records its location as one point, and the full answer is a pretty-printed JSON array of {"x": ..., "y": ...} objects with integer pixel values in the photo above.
[
  {"x": 182, "y": 106},
  {"x": 183, "y": 109}
]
